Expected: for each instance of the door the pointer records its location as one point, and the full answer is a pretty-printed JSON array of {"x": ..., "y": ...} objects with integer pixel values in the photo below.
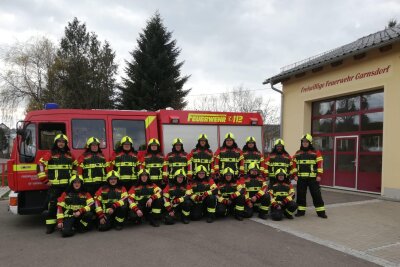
[{"x": 346, "y": 157}]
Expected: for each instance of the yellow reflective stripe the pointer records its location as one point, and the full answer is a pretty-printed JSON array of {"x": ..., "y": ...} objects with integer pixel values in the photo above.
[
  {"x": 264, "y": 208},
  {"x": 211, "y": 210},
  {"x": 84, "y": 223},
  {"x": 154, "y": 165},
  {"x": 202, "y": 160},
  {"x": 156, "y": 210},
  {"x": 179, "y": 164},
  {"x": 24, "y": 167},
  {"x": 98, "y": 209},
  {"x": 51, "y": 221},
  {"x": 125, "y": 164},
  {"x": 320, "y": 170},
  {"x": 301, "y": 208},
  {"x": 95, "y": 165},
  {"x": 186, "y": 213},
  {"x": 319, "y": 158},
  {"x": 306, "y": 174},
  {"x": 240, "y": 208},
  {"x": 155, "y": 177},
  {"x": 120, "y": 220},
  {"x": 253, "y": 189},
  {"x": 62, "y": 181},
  {"x": 149, "y": 120},
  {"x": 320, "y": 208},
  {"x": 281, "y": 194},
  {"x": 60, "y": 216},
  {"x": 41, "y": 174},
  {"x": 229, "y": 159},
  {"x": 290, "y": 213},
  {"x": 59, "y": 167}
]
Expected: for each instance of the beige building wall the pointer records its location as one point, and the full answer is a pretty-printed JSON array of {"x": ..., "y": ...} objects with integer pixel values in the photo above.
[{"x": 298, "y": 97}]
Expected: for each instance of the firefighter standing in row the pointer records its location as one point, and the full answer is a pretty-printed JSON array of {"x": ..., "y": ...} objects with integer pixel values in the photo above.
[
  {"x": 177, "y": 201},
  {"x": 125, "y": 161},
  {"x": 153, "y": 161},
  {"x": 175, "y": 160},
  {"x": 282, "y": 193},
  {"x": 55, "y": 169},
  {"x": 251, "y": 154},
  {"x": 231, "y": 196},
  {"x": 110, "y": 203},
  {"x": 204, "y": 195},
  {"x": 73, "y": 208},
  {"x": 307, "y": 171},
  {"x": 229, "y": 155},
  {"x": 201, "y": 155},
  {"x": 92, "y": 165},
  {"x": 145, "y": 200},
  {"x": 278, "y": 159},
  {"x": 257, "y": 197}
]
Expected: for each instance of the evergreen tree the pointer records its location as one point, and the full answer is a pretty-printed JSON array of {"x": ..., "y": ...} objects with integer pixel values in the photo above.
[
  {"x": 153, "y": 76},
  {"x": 83, "y": 75}
]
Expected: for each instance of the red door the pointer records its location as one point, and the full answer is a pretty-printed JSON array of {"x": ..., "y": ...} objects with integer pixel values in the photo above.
[{"x": 346, "y": 155}]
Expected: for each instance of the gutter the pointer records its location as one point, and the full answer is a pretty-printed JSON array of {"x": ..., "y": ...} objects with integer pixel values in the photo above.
[{"x": 281, "y": 116}]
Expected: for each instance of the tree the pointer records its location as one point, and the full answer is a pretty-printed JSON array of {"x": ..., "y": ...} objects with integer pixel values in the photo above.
[
  {"x": 83, "y": 73},
  {"x": 153, "y": 75},
  {"x": 239, "y": 100},
  {"x": 391, "y": 23},
  {"x": 24, "y": 76}
]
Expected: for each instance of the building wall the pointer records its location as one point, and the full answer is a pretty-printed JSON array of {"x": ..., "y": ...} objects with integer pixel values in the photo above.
[{"x": 300, "y": 92}]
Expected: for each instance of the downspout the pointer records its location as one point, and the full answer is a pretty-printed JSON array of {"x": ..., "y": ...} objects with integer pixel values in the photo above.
[{"x": 281, "y": 116}]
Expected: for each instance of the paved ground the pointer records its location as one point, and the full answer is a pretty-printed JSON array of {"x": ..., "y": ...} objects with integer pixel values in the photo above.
[{"x": 225, "y": 242}]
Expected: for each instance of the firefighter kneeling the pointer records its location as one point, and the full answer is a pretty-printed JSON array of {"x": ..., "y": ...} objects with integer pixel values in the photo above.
[
  {"x": 110, "y": 202},
  {"x": 145, "y": 200},
  {"x": 282, "y": 194},
  {"x": 232, "y": 195},
  {"x": 257, "y": 196},
  {"x": 177, "y": 198},
  {"x": 204, "y": 195},
  {"x": 73, "y": 208}
]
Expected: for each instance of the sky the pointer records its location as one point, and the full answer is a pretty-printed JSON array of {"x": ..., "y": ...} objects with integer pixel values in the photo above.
[{"x": 224, "y": 44}]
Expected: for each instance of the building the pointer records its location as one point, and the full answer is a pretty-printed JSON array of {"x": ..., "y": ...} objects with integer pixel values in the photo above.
[{"x": 348, "y": 99}]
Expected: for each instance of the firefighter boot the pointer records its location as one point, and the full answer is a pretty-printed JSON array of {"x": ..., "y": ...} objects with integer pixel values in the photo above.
[
  {"x": 322, "y": 214},
  {"x": 185, "y": 219},
  {"x": 210, "y": 217},
  {"x": 287, "y": 215},
  {"x": 50, "y": 228},
  {"x": 262, "y": 215},
  {"x": 300, "y": 213}
]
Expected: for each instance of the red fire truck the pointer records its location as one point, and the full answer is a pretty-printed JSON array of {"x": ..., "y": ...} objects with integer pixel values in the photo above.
[{"x": 36, "y": 134}]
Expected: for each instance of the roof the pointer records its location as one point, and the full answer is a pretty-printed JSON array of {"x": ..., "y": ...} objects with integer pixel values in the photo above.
[{"x": 375, "y": 40}]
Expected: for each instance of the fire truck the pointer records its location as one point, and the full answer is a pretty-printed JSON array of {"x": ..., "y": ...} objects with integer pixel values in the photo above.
[{"x": 35, "y": 136}]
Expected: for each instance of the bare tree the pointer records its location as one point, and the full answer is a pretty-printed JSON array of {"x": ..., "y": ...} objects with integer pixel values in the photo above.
[
  {"x": 391, "y": 23},
  {"x": 238, "y": 100},
  {"x": 24, "y": 75}
]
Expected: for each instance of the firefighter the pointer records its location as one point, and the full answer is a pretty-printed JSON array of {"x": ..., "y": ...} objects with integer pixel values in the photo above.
[
  {"x": 278, "y": 159},
  {"x": 251, "y": 154},
  {"x": 55, "y": 169},
  {"x": 201, "y": 155},
  {"x": 175, "y": 160},
  {"x": 177, "y": 198},
  {"x": 92, "y": 165},
  {"x": 110, "y": 203},
  {"x": 282, "y": 194},
  {"x": 145, "y": 200},
  {"x": 125, "y": 162},
  {"x": 307, "y": 171},
  {"x": 153, "y": 161},
  {"x": 73, "y": 208},
  {"x": 232, "y": 195},
  {"x": 204, "y": 195},
  {"x": 229, "y": 155},
  {"x": 257, "y": 197}
]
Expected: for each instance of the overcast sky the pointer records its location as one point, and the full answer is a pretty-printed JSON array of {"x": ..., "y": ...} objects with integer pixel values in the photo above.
[{"x": 224, "y": 44}]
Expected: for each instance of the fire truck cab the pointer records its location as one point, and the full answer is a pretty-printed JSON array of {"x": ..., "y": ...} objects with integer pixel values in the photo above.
[{"x": 35, "y": 136}]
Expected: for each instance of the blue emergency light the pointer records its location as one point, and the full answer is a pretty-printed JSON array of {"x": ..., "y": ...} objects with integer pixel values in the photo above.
[{"x": 51, "y": 106}]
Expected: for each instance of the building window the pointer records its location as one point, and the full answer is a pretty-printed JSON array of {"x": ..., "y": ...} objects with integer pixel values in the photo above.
[
  {"x": 322, "y": 125},
  {"x": 347, "y": 123},
  {"x": 372, "y": 101},
  {"x": 82, "y": 129},
  {"x": 348, "y": 104},
  {"x": 323, "y": 108},
  {"x": 134, "y": 129},
  {"x": 372, "y": 121}
]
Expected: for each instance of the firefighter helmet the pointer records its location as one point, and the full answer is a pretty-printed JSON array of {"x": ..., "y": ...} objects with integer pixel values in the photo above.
[
  {"x": 201, "y": 168},
  {"x": 253, "y": 166},
  {"x": 230, "y": 136},
  {"x": 61, "y": 137},
  {"x": 126, "y": 139},
  {"x": 143, "y": 171},
  {"x": 279, "y": 142},
  {"x": 279, "y": 172},
  {"x": 307, "y": 137},
  {"x": 180, "y": 172},
  {"x": 92, "y": 140},
  {"x": 76, "y": 178},
  {"x": 227, "y": 171},
  {"x": 112, "y": 174},
  {"x": 177, "y": 141},
  {"x": 202, "y": 137},
  {"x": 250, "y": 139},
  {"x": 153, "y": 141}
]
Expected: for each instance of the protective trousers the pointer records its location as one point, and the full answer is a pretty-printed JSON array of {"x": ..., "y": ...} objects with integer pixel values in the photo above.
[
  {"x": 53, "y": 194},
  {"x": 81, "y": 224},
  {"x": 182, "y": 209},
  {"x": 116, "y": 218},
  {"x": 262, "y": 205},
  {"x": 236, "y": 207},
  {"x": 285, "y": 209},
  {"x": 206, "y": 207},
  {"x": 150, "y": 213},
  {"x": 315, "y": 191}
]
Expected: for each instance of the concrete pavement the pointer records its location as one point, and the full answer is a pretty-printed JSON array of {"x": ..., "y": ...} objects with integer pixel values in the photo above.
[{"x": 366, "y": 227}]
